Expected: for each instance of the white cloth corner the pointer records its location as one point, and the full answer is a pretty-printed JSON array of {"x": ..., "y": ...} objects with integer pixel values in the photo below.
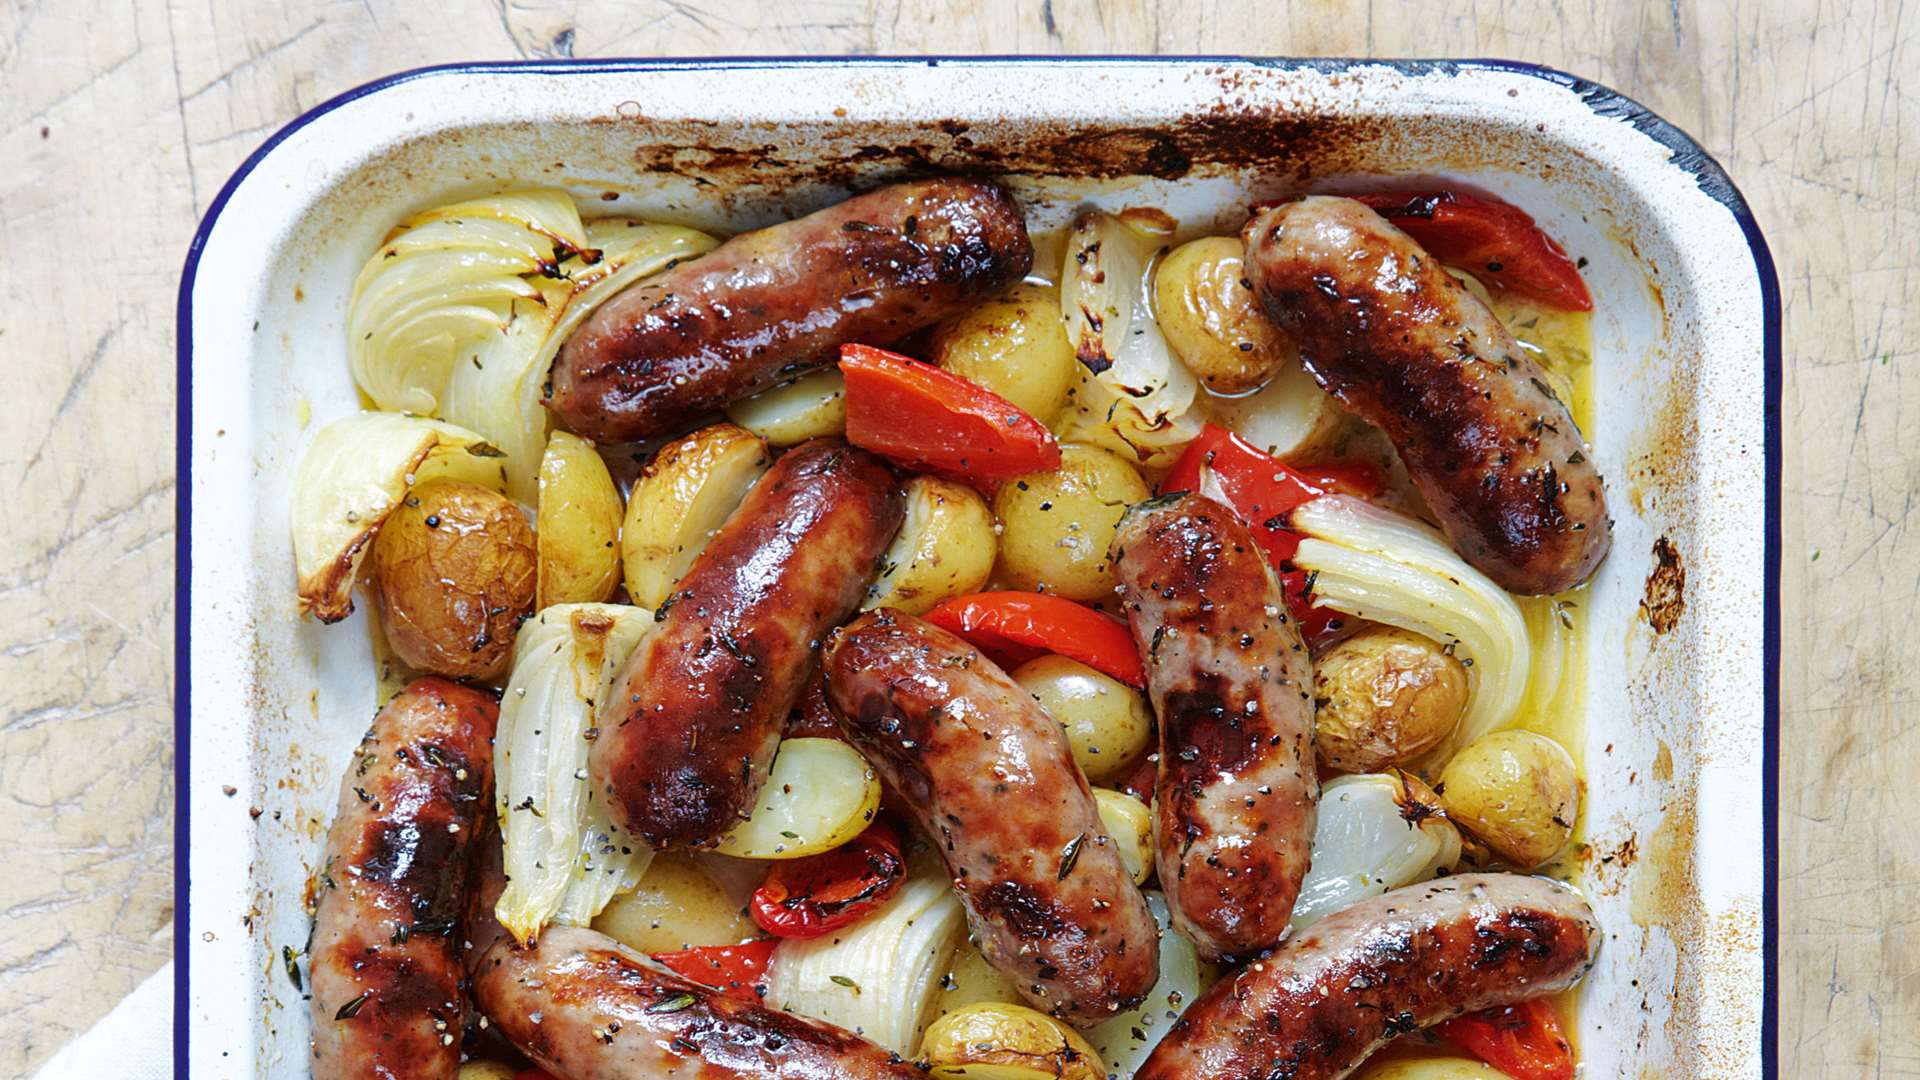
[{"x": 133, "y": 1042}]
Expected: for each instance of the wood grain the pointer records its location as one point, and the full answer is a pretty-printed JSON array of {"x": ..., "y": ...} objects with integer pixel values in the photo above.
[{"x": 119, "y": 122}]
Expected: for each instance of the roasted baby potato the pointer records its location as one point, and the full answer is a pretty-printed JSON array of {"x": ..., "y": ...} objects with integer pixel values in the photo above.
[
  {"x": 811, "y": 406},
  {"x": 819, "y": 794},
  {"x": 1204, "y": 303},
  {"x": 1107, "y": 721},
  {"x": 681, "y": 500},
  {"x": 578, "y": 534},
  {"x": 1129, "y": 822},
  {"x": 945, "y": 548},
  {"x": 1517, "y": 792},
  {"x": 453, "y": 572},
  {"x": 1384, "y": 696},
  {"x": 676, "y": 906},
  {"x": 992, "y": 1041},
  {"x": 1056, "y": 526},
  {"x": 1015, "y": 346},
  {"x": 487, "y": 1070}
]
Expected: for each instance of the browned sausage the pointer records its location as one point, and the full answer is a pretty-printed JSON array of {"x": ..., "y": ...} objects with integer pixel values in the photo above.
[
  {"x": 778, "y": 300},
  {"x": 1317, "y": 1006},
  {"x": 1234, "y": 802},
  {"x": 386, "y": 983},
  {"x": 696, "y": 713},
  {"x": 585, "y": 1007},
  {"x": 991, "y": 776},
  {"x": 1399, "y": 341}
]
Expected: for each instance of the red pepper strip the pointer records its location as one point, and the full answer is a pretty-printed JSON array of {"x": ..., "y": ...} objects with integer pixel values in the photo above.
[
  {"x": 1494, "y": 241},
  {"x": 933, "y": 420},
  {"x": 1259, "y": 488},
  {"x": 805, "y": 898},
  {"x": 1015, "y": 627},
  {"x": 1524, "y": 1041},
  {"x": 737, "y": 971}
]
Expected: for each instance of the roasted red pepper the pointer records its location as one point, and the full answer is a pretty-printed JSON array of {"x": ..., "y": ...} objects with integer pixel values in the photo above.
[
  {"x": 738, "y": 971},
  {"x": 1261, "y": 490},
  {"x": 1494, "y": 241},
  {"x": 805, "y": 898},
  {"x": 1015, "y": 627},
  {"x": 936, "y": 421},
  {"x": 1524, "y": 1041}
]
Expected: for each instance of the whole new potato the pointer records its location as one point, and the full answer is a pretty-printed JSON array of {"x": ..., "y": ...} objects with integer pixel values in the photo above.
[
  {"x": 453, "y": 572},
  {"x": 1056, "y": 527},
  {"x": 1384, "y": 697},
  {"x": 1204, "y": 304},
  {"x": 1014, "y": 345},
  {"x": 1516, "y": 791}
]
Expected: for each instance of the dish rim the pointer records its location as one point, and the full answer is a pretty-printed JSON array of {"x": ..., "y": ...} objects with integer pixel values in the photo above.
[{"x": 1687, "y": 155}]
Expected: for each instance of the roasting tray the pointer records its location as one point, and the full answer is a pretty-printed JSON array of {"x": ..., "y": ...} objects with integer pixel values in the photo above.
[{"x": 1682, "y": 721}]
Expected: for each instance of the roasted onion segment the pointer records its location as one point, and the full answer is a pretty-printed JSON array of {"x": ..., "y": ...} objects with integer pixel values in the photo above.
[
  {"x": 447, "y": 278},
  {"x": 461, "y": 311},
  {"x": 1135, "y": 396},
  {"x": 564, "y": 859}
]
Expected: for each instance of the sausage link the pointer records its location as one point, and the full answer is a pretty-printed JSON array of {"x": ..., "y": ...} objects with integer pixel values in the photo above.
[
  {"x": 1317, "y": 1006},
  {"x": 1386, "y": 330},
  {"x": 1234, "y": 802},
  {"x": 585, "y": 1007},
  {"x": 386, "y": 984},
  {"x": 696, "y": 713},
  {"x": 991, "y": 776},
  {"x": 773, "y": 302}
]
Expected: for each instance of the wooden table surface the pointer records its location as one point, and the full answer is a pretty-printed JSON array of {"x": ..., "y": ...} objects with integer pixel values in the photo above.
[{"x": 118, "y": 123}]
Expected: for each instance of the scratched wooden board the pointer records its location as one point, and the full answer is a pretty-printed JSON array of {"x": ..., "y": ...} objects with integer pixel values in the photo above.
[{"x": 119, "y": 122}]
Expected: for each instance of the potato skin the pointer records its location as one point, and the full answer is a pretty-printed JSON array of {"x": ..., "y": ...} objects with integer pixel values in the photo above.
[
  {"x": 1517, "y": 791},
  {"x": 1057, "y": 527},
  {"x": 1205, "y": 305},
  {"x": 1014, "y": 345},
  {"x": 1384, "y": 696},
  {"x": 1108, "y": 722},
  {"x": 453, "y": 571}
]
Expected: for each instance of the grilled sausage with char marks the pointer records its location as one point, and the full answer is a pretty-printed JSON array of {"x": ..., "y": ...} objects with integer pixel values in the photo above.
[
  {"x": 1235, "y": 798},
  {"x": 1396, "y": 339},
  {"x": 696, "y": 714},
  {"x": 771, "y": 303},
  {"x": 1317, "y": 1006},
  {"x": 585, "y": 1007},
  {"x": 990, "y": 777},
  {"x": 387, "y": 991}
]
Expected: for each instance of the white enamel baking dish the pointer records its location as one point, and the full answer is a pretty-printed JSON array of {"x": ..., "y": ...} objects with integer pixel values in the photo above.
[{"x": 1681, "y": 723}]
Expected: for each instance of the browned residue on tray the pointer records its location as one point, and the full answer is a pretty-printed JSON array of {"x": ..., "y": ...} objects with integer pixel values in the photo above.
[{"x": 1665, "y": 598}]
